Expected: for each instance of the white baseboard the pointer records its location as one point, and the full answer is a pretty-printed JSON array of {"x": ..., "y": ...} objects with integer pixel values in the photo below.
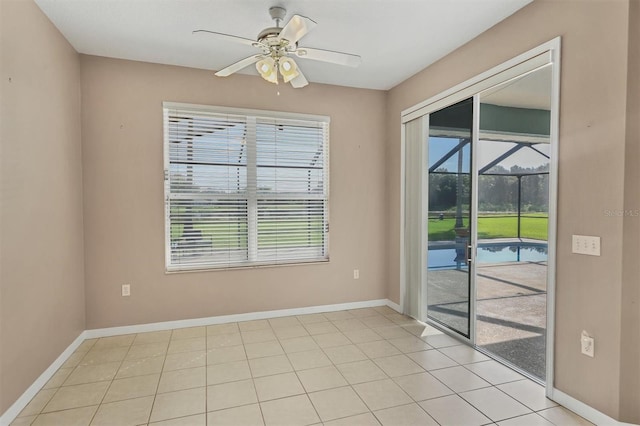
[
  {"x": 394, "y": 306},
  {"x": 8, "y": 416},
  {"x": 197, "y": 322},
  {"x": 584, "y": 410}
]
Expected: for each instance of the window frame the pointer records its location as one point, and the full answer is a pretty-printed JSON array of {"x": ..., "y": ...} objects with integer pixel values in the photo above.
[{"x": 250, "y": 196}]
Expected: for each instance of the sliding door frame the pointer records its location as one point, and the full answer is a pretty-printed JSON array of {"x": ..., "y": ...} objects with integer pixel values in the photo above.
[
  {"x": 475, "y": 137},
  {"x": 534, "y": 59}
]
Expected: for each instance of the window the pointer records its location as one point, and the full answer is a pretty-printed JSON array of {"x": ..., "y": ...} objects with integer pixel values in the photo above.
[{"x": 244, "y": 188}]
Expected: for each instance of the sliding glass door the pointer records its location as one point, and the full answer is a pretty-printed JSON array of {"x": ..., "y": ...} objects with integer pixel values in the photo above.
[
  {"x": 487, "y": 169},
  {"x": 449, "y": 227},
  {"x": 478, "y": 213}
]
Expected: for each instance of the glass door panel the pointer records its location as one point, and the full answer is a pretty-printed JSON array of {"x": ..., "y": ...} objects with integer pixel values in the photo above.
[
  {"x": 513, "y": 159},
  {"x": 449, "y": 217}
]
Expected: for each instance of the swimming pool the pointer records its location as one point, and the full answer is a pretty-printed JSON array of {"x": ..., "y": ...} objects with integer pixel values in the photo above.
[{"x": 447, "y": 256}]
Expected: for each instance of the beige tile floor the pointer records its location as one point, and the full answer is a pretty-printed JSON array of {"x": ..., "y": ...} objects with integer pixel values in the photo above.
[{"x": 358, "y": 367}]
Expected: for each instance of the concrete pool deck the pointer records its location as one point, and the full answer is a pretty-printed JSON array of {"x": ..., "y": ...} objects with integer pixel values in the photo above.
[
  {"x": 510, "y": 309},
  {"x": 511, "y": 313}
]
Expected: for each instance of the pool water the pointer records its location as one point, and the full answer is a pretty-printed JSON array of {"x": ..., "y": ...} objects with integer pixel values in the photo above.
[
  {"x": 444, "y": 258},
  {"x": 512, "y": 253}
]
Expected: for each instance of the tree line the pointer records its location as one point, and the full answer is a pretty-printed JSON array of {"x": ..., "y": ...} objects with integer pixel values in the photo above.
[{"x": 497, "y": 189}]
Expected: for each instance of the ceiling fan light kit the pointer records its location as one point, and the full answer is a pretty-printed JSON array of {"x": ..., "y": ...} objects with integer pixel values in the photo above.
[
  {"x": 268, "y": 70},
  {"x": 277, "y": 45},
  {"x": 288, "y": 69}
]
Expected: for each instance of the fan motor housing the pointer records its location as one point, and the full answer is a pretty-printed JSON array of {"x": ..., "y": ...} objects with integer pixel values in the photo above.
[
  {"x": 269, "y": 33},
  {"x": 269, "y": 36},
  {"x": 268, "y": 39}
]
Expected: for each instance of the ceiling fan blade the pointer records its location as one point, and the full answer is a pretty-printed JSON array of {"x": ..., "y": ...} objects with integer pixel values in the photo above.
[
  {"x": 296, "y": 28},
  {"x": 239, "y": 65},
  {"x": 229, "y": 37},
  {"x": 299, "y": 81},
  {"x": 339, "y": 58}
]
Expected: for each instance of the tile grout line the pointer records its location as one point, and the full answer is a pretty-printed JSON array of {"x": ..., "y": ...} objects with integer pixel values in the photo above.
[
  {"x": 57, "y": 389},
  {"x": 253, "y": 382},
  {"x": 350, "y": 385},
  {"x": 206, "y": 375},
  {"x": 153, "y": 404},
  {"x": 112, "y": 379},
  {"x": 40, "y": 412},
  {"x": 315, "y": 409}
]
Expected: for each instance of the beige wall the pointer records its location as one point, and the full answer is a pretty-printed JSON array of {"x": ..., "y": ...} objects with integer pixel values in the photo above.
[
  {"x": 591, "y": 172},
  {"x": 123, "y": 197},
  {"x": 630, "y": 319},
  {"x": 41, "y": 261}
]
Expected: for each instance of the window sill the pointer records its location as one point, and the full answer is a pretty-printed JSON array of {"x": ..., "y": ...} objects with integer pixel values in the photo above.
[{"x": 181, "y": 270}]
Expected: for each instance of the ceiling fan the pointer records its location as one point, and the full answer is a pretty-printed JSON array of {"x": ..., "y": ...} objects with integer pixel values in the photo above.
[{"x": 278, "y": 44}]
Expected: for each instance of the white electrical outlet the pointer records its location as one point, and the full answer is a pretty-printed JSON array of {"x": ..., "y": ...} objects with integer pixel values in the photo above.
[
  {"x": 587, "y": 344},
  {"x": 584, "y": 244},
  {"x": 126, "y": 289},
  {"x": 356, "y": 274}
]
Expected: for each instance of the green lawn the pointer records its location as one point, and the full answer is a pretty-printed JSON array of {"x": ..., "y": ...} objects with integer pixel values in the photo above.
[
  {"x": 534, "y": 226},
  {"x": 224, "y": 235}
]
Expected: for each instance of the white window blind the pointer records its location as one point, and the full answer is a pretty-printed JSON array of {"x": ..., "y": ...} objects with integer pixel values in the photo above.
[{"x": 244, "y": 188}]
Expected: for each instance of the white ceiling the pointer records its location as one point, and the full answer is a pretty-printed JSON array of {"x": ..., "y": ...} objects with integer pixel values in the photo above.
[{"x": 396, "y": 38}]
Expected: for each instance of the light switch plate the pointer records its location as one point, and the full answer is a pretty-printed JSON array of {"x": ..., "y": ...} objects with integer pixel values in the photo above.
[{"x": 585, "y": 244}]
